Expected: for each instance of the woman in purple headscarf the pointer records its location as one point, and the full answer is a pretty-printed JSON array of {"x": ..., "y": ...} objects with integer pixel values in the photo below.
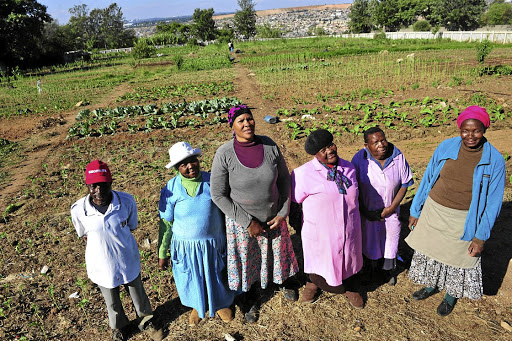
[
  {"x": 250, "y": 183},
  {"x": 453, "y": 212}
]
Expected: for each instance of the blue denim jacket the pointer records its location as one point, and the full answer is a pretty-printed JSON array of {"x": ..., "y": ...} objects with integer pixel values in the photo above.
[{"x": 487, "y": 192}]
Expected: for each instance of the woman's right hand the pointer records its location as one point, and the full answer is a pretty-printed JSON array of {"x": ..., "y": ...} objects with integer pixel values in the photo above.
[
  {"x": 255, "y": 229},
  {"x": 412, "y": 222},
  {"x": 163, "y": 263}
]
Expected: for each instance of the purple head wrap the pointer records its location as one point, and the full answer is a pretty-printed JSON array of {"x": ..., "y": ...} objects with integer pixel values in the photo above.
[
  {"x": 236, "y": 111},
  {"x": 476, "y": 113}
]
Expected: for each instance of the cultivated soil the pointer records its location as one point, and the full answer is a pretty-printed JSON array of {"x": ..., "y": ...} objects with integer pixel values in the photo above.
[{"x": 30, "y": 312}]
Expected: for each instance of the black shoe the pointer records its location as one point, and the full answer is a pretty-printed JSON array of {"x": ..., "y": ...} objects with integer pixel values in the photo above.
[
  {"x": 118, "y": 335},
  {"x": 422, "y": 294},
  {"x": 252, "y": 315},
  {"x": 444, "y": 308},
  {"x": 391, "y": 280},
  {"x": 289, "y": 294}
]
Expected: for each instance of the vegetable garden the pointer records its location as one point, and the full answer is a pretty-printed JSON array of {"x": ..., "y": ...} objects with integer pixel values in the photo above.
[{"x": 132, "y": 111}]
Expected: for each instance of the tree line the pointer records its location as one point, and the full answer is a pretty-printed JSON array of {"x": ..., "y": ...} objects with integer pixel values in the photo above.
[
  {"x": 425, "y": 15},
  {"x": 30, "y": 37}
]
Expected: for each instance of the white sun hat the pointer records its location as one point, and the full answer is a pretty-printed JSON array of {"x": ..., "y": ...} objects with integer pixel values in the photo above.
[{"x": 180, "y": 151}]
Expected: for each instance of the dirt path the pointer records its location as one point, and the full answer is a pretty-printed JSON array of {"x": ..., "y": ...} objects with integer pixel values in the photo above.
[{"x": 248, "y": 91}]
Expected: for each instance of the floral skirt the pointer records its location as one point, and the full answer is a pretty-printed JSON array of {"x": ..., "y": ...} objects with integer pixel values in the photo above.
[
  {"x": 252, "y": 259},
  {"x": 457, "y": 282}
]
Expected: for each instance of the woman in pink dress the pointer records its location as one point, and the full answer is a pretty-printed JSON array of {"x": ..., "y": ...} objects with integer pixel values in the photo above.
[{"x": 326, "y": 188}]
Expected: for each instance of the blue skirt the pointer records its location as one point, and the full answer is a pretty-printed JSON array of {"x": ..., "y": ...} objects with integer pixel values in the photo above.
[{"x": 199, "y": 270}]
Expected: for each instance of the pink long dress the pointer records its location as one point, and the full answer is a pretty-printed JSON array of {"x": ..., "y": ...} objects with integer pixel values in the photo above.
[{"x": 331, "y": 231}]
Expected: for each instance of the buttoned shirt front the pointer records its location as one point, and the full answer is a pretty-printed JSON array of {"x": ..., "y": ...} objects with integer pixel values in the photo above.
[
  {"x": 111, "y": 256},
  {"x": 378, "y": 184}
]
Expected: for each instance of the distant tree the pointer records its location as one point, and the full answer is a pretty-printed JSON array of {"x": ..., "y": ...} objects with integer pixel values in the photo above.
[
  {"x": 499, "y": 13},
  {"x": 21, "y": 28},
  {"x": 111, "y": 30},
  {"x": 53, "y": 44},
  {"x": 99, "y": 28},
  {"x": 391, "y": 15},
  {"x": 78, "y": 26},
  {"x": 408, "y": 11},
  {"x": 458, "y": 15},
  {"x": 172, "y": 27},
  {"x": 245, "y": 19},
  {"x": 386, "y": 15},
  {"x": 225, "y": 34},
  {"x": 171, "y": 33},
  {"x": 427, "y": 10},
  {"x": 204, "y": 25},
  {"x": 360, "y": 15}
]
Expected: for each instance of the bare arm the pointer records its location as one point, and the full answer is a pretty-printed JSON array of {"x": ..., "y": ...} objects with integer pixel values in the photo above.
[{"x": 386, "y": 212}]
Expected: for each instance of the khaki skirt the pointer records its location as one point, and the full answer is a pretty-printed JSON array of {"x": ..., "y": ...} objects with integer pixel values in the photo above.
[{"x": 437, "y": 236}]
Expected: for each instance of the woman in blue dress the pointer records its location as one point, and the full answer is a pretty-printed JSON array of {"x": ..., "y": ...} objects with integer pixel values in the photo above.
[{"x": 195, "y": 228}]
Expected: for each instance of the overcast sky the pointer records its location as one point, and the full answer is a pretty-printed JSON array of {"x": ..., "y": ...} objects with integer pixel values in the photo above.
[{"x": 142, "y": 9}]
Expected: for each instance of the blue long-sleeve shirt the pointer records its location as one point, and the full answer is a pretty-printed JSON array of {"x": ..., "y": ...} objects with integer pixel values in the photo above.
[{"x": 487, "y": 191}]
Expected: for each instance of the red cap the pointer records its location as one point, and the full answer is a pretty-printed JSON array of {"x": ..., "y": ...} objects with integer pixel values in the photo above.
[{"x": 97, "y": 171}]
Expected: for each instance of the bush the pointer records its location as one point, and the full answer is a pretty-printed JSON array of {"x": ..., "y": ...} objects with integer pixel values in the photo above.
[
  {"x": 178, "y": 61},
  {"x": 142, "y": 49},
  {"x": 380, "y": 36},
  {"x": 495, "y": 70},
  {"x": 267, "y": 31},
  {"x": 421, "y": 26},
  {"x": 483, "y": 49},
  {"x": 316, "y": 31},
  {"x": 192, "y": 42}
]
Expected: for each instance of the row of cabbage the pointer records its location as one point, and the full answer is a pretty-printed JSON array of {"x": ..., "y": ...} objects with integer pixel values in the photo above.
[
  {"x": 356, "y": 118},
  {"x": 108, "y": 121}
]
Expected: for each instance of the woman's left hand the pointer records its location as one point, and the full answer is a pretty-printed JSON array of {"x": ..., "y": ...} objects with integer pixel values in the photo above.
[
  {"x": 475, "y": 249},
  {"x": 275, "y": 222}
]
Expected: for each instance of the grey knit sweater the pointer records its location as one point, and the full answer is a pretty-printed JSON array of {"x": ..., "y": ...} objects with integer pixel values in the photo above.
[{"x": 244, "y": 193}]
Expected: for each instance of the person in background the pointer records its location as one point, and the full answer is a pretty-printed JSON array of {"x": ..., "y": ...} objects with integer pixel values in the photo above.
[
  {"x": 453, "y": 212},
  {"x": 327, "y": 189},
  {"x": 105, "y": 219},
  {"x": 198, "y": 242},
  {"x": 383, "y": 175},
  {"x": 250, "y": 183}
]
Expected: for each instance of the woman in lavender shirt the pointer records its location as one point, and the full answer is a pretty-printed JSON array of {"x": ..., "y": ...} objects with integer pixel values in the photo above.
[{"x": 383, "y": 175}]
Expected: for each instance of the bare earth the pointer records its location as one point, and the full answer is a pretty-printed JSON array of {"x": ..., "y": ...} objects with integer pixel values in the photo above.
[{"x": 389, "y": 312}]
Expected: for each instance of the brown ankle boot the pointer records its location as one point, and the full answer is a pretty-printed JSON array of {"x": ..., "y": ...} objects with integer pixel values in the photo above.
[
  {"x": 193, "y": 319},
  {"x": 355, "y": 299},
  {"x": 225, "y": 314},
  {"x": 308, "y": 295}
]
